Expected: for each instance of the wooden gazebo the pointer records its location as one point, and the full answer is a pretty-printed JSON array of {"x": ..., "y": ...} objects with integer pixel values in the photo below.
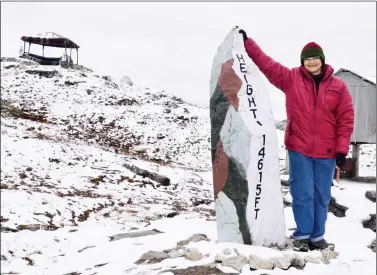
[{"x": 49, "y": 39}]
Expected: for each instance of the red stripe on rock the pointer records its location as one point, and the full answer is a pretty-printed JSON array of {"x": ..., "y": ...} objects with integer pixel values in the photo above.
[
  {"x": 230, "y": 83},
  {"x": 220, "y": 169}
]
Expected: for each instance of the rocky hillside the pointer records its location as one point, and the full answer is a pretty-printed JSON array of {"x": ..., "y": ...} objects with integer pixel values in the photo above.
[{"x": 122, "y": 117}]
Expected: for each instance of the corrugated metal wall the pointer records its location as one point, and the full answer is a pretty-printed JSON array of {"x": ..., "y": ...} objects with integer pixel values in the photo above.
[{"x": 364, "y": 100}]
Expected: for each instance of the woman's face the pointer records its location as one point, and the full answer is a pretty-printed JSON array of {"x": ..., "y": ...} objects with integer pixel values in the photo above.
[{"x": 313, "y": 64}]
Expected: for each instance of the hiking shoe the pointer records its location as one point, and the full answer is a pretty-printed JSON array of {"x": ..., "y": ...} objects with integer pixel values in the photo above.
[
  {"x": 301, "y": 245},
  {"x": 322, "y": 244}
]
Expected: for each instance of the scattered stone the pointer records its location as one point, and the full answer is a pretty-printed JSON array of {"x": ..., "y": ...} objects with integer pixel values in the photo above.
[
  {"x": 227, "y": 251},
  {"x": 164, "y": 181},
  {"x": 31, "y": 227},
  {"x": 126, "y": 101},
  {"x": 126, "y": 80},
  {"x": 41, "y": 73},
  {"x": 324, "y": 260},
  {"x": 328, "y": 254},
  {"x": 256, "y": 263},
  {"x": 236, "y": 262},
  {"x": 168, "y": 250},
  {"x": 298, "y": 262},
  {"x": 54, "y": 160},
  {"x": 281, "y": 262},
  {"x": 134, "y": 234},
  {"x": 194, "y": 238},
  {"x": 219, "y": 258},
  {"x": 81, "y": 250},
  {"x": 176, "y": 253},
  {"x": 371, "y": 195},
  {"x": 287, "y": 200},
  {"x": 193, "y": 254},
  {"x": 337, "y": 209},
  {"x": 371, "y": 223},
  {"x": 9, "y": 66},
  {"x": 199, "y": 270},
  {"x": 29, "y": 261},
  {"x": 212, "y": 265},
  {"x": 203, "y": 201},
  {"x": 310, "y": 259},
  {"x": 373, "y": 246},
  {"x": 172, "y": 215},
  {"x": 152, "y": 257}
]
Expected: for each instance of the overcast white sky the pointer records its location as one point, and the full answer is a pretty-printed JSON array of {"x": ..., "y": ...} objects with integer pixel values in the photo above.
[{"x": 172, "y": 45}]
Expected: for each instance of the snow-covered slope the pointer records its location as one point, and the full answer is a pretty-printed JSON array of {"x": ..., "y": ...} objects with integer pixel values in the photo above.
[
  {"x": 128, "y": 118},
  {"x": 69, "y": 140}
]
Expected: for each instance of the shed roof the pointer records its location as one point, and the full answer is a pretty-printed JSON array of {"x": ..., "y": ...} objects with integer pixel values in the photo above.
[
  {"x": 50, "y": 39},
  {"x": 370, "y": 79}
]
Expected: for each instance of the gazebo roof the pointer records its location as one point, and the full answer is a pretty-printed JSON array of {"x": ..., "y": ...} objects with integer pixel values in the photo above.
[{"x": 50, "y": 39}]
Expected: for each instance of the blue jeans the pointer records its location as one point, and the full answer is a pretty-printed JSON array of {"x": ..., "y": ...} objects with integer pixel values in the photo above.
[{"x": 310, "y": 181}]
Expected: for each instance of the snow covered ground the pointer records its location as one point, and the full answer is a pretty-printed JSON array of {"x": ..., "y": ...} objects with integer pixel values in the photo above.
[{"x": 67, "y": 198}]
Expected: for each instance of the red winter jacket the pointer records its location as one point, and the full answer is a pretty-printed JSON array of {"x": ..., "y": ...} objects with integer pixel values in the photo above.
[{"x": 318, "y": 125}]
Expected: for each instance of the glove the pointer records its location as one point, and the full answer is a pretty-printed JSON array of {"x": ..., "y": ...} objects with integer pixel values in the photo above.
[
  {"x": 340, "y": 160},
  {"x": 243, "y": 34}
]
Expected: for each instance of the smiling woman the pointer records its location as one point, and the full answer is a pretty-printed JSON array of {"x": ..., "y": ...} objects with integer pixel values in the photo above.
[{"x": 313, "y": 58}]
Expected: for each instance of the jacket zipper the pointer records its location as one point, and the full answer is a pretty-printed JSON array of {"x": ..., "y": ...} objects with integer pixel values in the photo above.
[{"x": 315, "y": 117}]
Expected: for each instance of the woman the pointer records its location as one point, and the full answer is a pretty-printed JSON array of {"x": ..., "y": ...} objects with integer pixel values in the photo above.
[{"x": 320, "y": 121}]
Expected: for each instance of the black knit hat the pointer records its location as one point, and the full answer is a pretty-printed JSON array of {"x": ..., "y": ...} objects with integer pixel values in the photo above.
[{"x": 310, "y": 50}]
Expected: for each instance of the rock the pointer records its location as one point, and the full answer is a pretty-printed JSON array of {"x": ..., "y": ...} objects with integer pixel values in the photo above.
[
  {"x": 227, "y": 251},
  {"x": 371, "y": 223},
  {"x": 176, "y": 253},
  {"x": 165, "y": 181},
  {"x": 298, "y": 262},
  {"x": 281, "y": 262},
  {"x": 324, "y": 260},
  {"x": 126, "y": 80},
  {"x": 212, "y": 265},
  {"x": 337, "y": 209},
  {"x": 127, "y": 101},
  {"x": 172, "y": 214},
  {"x": 134, "y": 234},
  {"x": 310, "y": 259},
  {"x": 200, "y": 270},
  {"x": 152, "y": 257},
  {"x": 236, "y": 262},
  {"x": 42, "y": 73},
  {"x": 256, "y": 263},
  {"x": 219, "y": 258},
  {"x": 194, "y": 238},
  {"x": 371, "y": 195},
  {"x": 287, "y": 200},
  {"x": 193, "y": 254},
  {"x": 329, "y": 254},
  {"x": 281, "y": 125},
  {"x": 373, "y": 246}
]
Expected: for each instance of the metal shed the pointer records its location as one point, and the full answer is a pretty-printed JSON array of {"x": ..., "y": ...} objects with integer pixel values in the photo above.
[{"x": 363, "y": 92}]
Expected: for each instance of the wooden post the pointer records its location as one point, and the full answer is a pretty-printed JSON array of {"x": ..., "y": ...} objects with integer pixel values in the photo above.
[
  {"x": 77, "y": 55},
  {"x": 355, "y": 156},
  {"x": 24, "y": 46},
  {"x": 29, "y": 48},
  {"x": 43, "y": 50},
  {"x": 286, "y": 162}
]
